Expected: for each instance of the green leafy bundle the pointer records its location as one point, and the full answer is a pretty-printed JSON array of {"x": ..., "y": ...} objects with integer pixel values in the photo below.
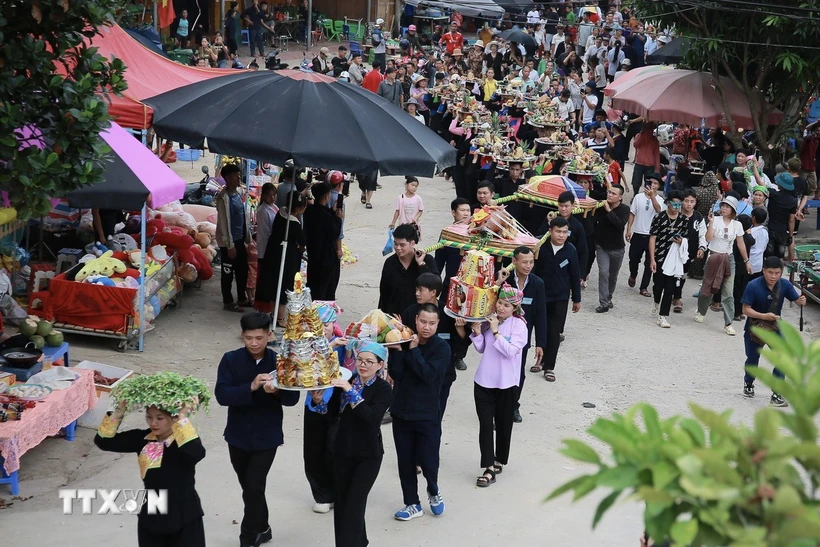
[
  {"x": 708, "y": 482},
  {"x": 167, "y": 391}
]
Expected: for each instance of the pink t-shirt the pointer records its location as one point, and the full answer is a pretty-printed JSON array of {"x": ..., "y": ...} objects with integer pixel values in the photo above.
[{"x": 408, "y": 208}]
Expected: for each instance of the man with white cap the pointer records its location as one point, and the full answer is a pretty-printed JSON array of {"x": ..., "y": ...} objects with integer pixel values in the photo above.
[
  {"x": 379, "y": 46},
  {"x": 626, "y": 64},
  {"x": 321, "y": 63}
]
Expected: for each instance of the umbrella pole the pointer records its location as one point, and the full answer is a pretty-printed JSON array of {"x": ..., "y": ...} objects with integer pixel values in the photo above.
[
  {"x": 284, "y": 250},
  {"x": 141, "y": 303}
]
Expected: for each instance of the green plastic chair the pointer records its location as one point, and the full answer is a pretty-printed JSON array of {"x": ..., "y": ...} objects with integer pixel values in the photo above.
[
  {"x": 327, "y": 27},
  {"x": 338, "y": 29}
]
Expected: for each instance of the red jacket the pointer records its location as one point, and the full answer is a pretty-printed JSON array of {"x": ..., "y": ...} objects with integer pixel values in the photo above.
[{"x": 372, "y": 80}]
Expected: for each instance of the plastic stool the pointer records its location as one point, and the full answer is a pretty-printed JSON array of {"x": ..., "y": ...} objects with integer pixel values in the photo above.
[
  {"x": 70, "y": 430},
  {"x": 56, "y": 353},
  {"x": 246, "y": 36},
  {"x": 283, "y": 42},
  {"x": 67, "y": 259},
  {"x": 12, "y": 479}
]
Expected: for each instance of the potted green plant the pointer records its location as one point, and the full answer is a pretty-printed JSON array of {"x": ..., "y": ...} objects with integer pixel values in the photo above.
[{"x": 707, "y": 481}]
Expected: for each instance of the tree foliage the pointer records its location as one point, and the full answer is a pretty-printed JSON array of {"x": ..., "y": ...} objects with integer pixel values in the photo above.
[
  {"x": 761, "y": 47},
  {"x": 52, "y": 81},
  {"x": 706, "y": 481}
]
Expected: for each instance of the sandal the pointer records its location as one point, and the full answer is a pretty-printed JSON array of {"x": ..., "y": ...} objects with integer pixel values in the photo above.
[
  {"x": 364, "y": 199},
  {"x": 368, "y": 205},
  {"x": 498, "y": 468},
  {"x": 486, "y": 479},
  {"x": 233, "y": 307},
  {"x": 549, "y": 376},
  {"x": 536, "y": 368},
  {"x": 645, "y": 292}
]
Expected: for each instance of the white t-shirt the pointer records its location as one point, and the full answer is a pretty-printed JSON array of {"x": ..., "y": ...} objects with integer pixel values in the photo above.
[
  {"x": 533, "y": 17},
  {"x": 557, "y": 39},
  {"x": 564, "y": 109},
  {"x": 644, "y": 213},
  {"x": 408, "y": 208},
  {"x": 725, "y": 236},
  {"x": 761, "y": 235},
  {"x": 589, "y": 113}
]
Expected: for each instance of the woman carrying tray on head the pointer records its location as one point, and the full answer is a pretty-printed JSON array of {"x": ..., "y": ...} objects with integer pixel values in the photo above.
[
  {"x": 360, "y": 406},
  {"x": 168, "y": 453},
  {"x": 500, "y": 340}
]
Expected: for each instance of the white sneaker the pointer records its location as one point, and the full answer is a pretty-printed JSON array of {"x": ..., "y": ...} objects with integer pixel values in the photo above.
[
  {"x": 699, "y": 318},
  {"x": 655, "y": 308},
  {"x": 663, "y": 323},
  {"x": 322, "y": 508},
  {"x": 729, "y": 329}
]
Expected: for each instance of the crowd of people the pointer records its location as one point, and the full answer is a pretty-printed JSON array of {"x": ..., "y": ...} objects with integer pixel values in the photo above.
[{"x": 729, "y": 224}]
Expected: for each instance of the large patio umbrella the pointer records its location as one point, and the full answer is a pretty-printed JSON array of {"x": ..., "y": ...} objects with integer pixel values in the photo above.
[
  {"x": 686, "y": 96},
  {"x": 519, "y": 37},
  {"x": 632, "y": 76},
  {"x": 670, "y": 54},
  {"x": 310, "y": 118}
]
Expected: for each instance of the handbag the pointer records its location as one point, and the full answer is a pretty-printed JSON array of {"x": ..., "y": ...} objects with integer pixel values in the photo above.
[{"x": 765, "y": 324}]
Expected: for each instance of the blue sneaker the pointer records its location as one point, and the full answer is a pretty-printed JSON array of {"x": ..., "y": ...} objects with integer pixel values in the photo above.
[
  {"x": 436, "y": 504},
  {"x": 409, "y": 512}
]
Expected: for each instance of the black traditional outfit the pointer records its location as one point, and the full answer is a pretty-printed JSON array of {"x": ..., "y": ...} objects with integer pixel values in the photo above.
[
  {"x": 268, "y": 276},
  {"x": 164, "y": 465}
]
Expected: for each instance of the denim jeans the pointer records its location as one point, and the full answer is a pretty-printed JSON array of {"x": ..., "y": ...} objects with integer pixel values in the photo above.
[{"x": 753, "y": 357}]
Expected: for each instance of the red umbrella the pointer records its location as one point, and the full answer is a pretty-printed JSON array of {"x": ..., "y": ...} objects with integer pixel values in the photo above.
[{"x": 685, "y": 96}]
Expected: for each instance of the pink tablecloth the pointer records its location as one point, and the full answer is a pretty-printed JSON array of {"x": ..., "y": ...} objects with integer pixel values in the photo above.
[{"x": 58, "y": 410}]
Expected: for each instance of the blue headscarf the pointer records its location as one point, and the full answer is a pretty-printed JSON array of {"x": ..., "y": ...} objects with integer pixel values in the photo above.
[
  {"x": 376, "y": 349},
  {"x": 326, "y": 314}
]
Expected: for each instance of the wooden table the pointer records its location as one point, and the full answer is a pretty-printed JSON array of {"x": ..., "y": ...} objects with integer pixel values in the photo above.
[{"x": 59, "y": 411}]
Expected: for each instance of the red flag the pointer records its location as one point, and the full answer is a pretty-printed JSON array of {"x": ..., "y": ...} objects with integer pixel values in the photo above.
[{"x": 165, "y": 10}]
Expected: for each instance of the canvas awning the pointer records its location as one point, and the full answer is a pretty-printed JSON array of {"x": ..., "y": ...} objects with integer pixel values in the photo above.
[{"x": 470, "y": 8}]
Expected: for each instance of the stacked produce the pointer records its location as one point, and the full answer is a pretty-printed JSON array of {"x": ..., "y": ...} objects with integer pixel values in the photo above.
[
  {"x": 471, "y": 294},
  {"x": 305, "y": 357},
  {"x": 41, "y": 332},
  {"x": 379, "y": 327}
]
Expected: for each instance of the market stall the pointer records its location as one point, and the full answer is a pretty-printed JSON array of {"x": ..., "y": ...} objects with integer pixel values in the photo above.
[
  {"x": 115, "y": 295},
  {"x": 22, "y": 430}
]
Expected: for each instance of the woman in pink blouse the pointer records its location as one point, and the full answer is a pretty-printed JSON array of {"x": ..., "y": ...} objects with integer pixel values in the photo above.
[{"x": 500, "y": 340}]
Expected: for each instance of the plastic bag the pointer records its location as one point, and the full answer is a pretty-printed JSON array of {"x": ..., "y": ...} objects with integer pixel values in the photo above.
[{"x": 388, "y": 247}]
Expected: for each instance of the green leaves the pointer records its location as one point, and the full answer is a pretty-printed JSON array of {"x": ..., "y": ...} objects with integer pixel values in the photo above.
[
  {"x": 167, "y": 391},
  {"x": 49, "y": 80},
  {"x": 707, "y": 481}
]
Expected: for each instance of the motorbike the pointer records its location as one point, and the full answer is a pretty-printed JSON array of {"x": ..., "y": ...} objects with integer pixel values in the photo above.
[
  {"x": 202, "y": 192},
  {"x": 272, "y": 61}
]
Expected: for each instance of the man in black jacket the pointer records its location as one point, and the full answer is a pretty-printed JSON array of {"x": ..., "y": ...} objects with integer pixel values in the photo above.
[
  {"x": 417, "y": 377},
  {"x": 254, "y": 428},
  {"x": 558, "y": 266},
  {"x": 577, "y": 234},
  {"x": 322, "y": 228},
  {"x": 610, "y": 221},
  {"x": 397, "y": 286},
  {"x": 534, "y": 305}
]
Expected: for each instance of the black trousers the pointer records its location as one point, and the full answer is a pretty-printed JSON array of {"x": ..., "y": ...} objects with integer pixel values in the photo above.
[
  {"x": 324, "y": 280},
  {"x": 591, "y": 258},
  {"x": 638, "y": 247},
  {"x": 663, "y": 290},
  {"x": 354, "y": 480},
  {"x": 252, "y": 471},
  {"x": 417, "y": 443},
  {"x": 741, "y": 280},
  {"x": 494, "y": 406},
  {"x": 190, "y": 535},
  {"x": 317, "y": 451},
  {"x": 556, "y": 318},
  {"x": 678, "y": 293},
  {"x": 234, "y": 267},
  {"x": 443, "y": 396},
  {"x": 523, "y": 374}
]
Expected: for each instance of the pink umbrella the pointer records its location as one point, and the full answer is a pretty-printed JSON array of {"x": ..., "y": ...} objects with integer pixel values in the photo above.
[
  {"x": 632, "y": 76},
  {"x": 686, "y": 96}
]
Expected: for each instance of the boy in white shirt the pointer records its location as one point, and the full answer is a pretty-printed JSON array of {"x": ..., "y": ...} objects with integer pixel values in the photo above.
[{"x": 761, "y": 235}]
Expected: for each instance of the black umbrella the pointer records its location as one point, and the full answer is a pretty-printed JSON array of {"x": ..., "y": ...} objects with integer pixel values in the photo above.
[
  {"x": 670, "y": 54},
  {"x": 312, "y": 119},
  {"x": 519, "y": 37},
  {"x": 148, "y": 37}
]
